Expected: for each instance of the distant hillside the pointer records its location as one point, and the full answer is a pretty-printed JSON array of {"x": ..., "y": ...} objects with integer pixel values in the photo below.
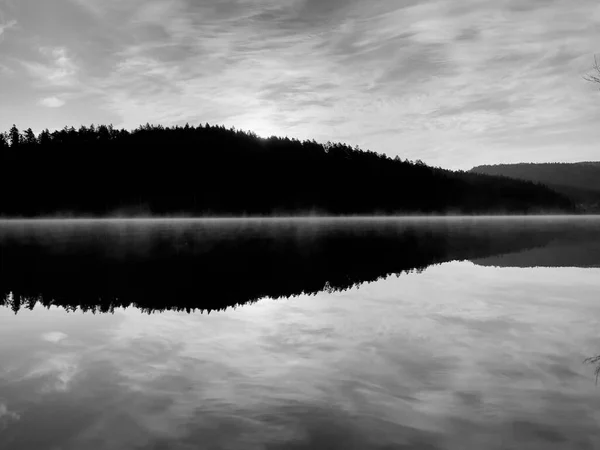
[
  {"x": 579, "y": 181},
  {"x": 210, "y": 170},
  {"x": 581, "y": 248}
]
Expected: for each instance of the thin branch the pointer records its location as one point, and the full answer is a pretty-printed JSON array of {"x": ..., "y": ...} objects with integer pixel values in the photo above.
[
  {"x": 594, "y": 360},
  {"x": 594, "y": 78}
]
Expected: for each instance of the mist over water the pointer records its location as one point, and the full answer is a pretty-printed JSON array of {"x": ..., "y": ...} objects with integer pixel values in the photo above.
[{"x": 436, "y": 333}]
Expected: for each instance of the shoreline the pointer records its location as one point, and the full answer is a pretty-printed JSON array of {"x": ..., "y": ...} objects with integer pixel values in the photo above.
[{"x": 4, "y": 220}]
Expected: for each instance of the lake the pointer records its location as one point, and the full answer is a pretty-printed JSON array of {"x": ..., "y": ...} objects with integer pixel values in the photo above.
[{"x": 397, "y": 333}]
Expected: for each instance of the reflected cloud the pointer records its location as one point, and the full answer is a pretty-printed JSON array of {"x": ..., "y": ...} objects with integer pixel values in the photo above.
[
  {"x": 407, "y": 362},
  {"x": 7, "y": 416},
  {"x": 56, "y": 372},
  {"x": 54, "y": 337}
]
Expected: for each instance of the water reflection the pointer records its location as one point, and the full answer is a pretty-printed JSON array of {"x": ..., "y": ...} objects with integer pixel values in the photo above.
[
  {"x": 211, "y": 265},
  {"x": 470, "y": 353},
  {"x": 459, "y": 356}
]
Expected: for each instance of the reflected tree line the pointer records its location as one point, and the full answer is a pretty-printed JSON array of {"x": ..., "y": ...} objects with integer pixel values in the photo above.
[
  {"x": 212, "y": 170},
  {"x": 213, "y": 266}
]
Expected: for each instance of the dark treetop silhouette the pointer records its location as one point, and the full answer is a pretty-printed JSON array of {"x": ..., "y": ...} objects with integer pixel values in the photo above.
[
  {"x": 211, "y": 265},
  {"x": 211, "y": 170},
  {"x": 578, "y": 181}
]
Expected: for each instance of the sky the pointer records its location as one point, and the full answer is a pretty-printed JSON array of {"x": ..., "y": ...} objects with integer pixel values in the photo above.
[{"x": 455, "y": 83}]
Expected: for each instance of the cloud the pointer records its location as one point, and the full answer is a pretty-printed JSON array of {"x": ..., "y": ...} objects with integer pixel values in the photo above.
[
  {"x": 446, "y": 82},
  {"x": 54, "y": 337},
  {"x": 56, "y": 371},
  {"x": 52, "y": 102},
  {"x": 5, "y": 70},
  {"x": 7, "y": 416},
  {"x": 59, "y": 69},
  {"x": 6, "y": 26}
]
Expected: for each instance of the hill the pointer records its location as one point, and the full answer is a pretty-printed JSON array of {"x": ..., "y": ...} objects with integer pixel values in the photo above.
[
  {"x": 579, "y": 181},
  {"x": 211, "y": 170}
]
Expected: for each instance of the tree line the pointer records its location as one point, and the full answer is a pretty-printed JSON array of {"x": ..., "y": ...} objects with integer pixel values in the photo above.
[
  {"x": 209, "y": 266},
  {"x": 578, "y": 181},
  {"x": 213, "y": 170}
]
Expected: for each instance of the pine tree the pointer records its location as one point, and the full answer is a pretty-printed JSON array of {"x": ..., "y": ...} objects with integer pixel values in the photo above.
[
  {"x": 3, "y": 141},
  {"x": 44, "y": 138},
  {"x": 14, "y": 136},
  {"x": 29, "y": 137}
]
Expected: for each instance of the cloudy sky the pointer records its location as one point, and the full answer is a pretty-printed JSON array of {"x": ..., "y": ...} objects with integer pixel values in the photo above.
[{"x": 454, "y": 83}]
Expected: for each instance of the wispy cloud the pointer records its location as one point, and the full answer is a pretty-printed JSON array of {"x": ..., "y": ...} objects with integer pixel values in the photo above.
[
  {"x": 58, "y": 69},
  {"x": 7, "y": 416},
  {"x": 55, "y": 372},
  {"x": 5, "y": 70},
  {"x": 6, "y": 26}
]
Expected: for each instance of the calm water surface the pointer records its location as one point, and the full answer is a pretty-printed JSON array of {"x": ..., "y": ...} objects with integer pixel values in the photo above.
[{"x": 397, "y": 334}]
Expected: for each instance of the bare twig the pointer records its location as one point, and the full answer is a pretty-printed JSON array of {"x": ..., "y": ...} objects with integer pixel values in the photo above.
[
  {"x": 595, "y": 77},
  {"x": 594, "y": 360}
]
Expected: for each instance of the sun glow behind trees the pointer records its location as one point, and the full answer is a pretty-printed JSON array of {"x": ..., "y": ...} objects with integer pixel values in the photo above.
[{"x": 214, "y": 171}]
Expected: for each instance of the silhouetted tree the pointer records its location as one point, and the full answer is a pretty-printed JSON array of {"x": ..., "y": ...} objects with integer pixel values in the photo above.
[
  {"x": 212, "y": 170},
  {"x": 44, "y": 138},
  {"x": 29, "y": 137},
  {"x": 103, "y": 133},
  {"x": 14, "y": 136}
]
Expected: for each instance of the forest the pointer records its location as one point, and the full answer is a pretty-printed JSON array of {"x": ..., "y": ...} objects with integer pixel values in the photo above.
[
  {"x": 210, "y": 170},
  {"x": 578, "y": 181}
]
